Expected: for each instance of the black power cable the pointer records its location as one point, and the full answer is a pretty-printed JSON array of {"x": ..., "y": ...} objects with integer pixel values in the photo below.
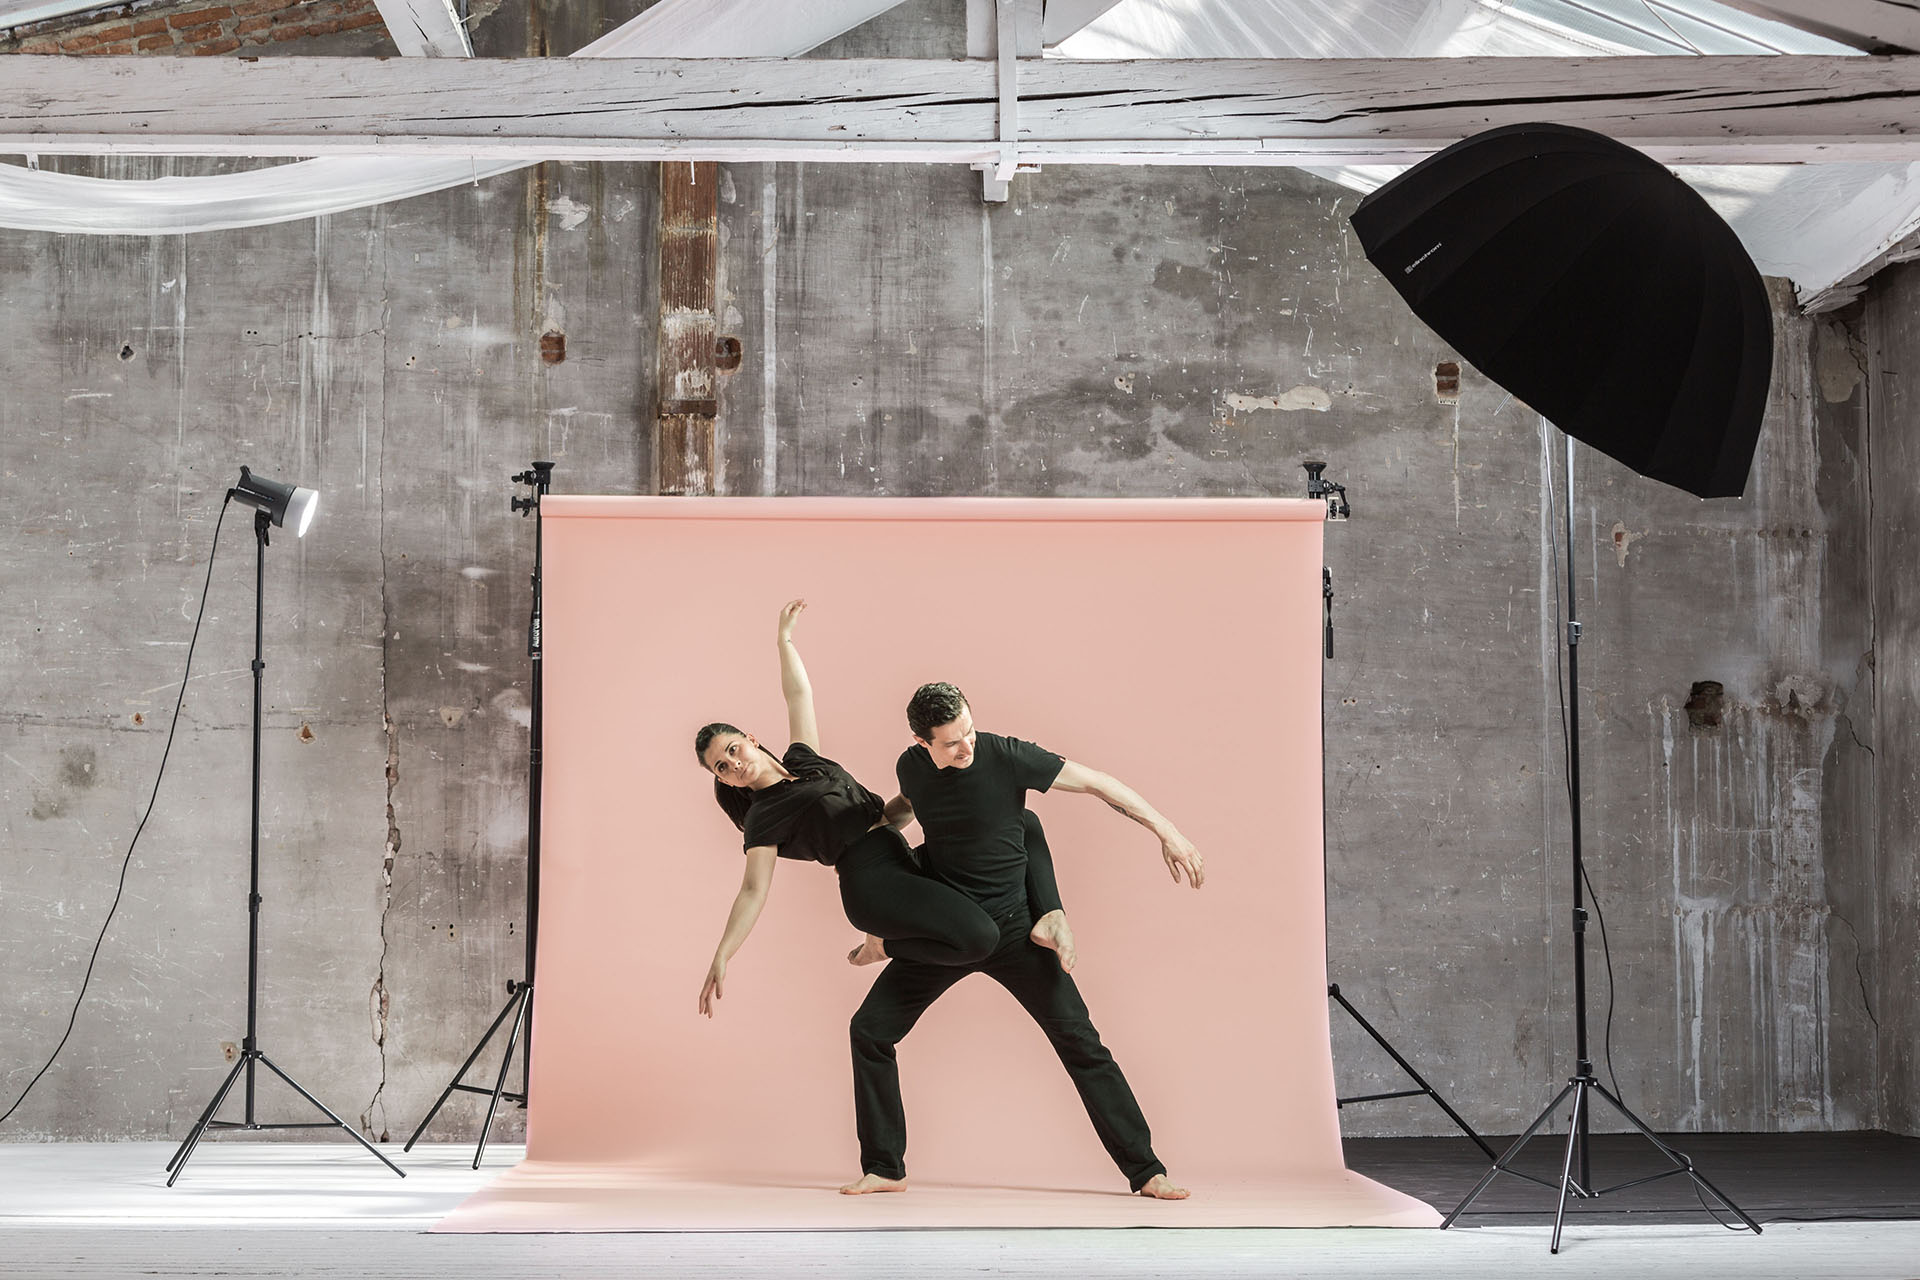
[{"x": 128, "y": 860}]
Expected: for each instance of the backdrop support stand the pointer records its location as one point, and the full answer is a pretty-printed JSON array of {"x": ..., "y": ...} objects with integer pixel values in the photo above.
[
  {"x": 519, "y": 1005},
  {"x": 1583, "y": 1085},
  {"x": 1425, "y": 1089},
  {"x": 250, "y": 1054},
  {"x": 1335, "y": 496}
]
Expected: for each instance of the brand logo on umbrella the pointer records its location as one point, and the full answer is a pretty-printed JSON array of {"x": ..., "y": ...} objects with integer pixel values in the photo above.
[{"x": 1408, "y": 269}]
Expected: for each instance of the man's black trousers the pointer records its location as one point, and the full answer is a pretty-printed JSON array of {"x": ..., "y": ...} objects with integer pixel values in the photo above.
[{"x": 905, "y": 989}]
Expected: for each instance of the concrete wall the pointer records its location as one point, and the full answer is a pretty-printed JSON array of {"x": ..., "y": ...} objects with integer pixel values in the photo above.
[
  {"x": 1107, "y": 332},
  {"x": 1894, "y": 507}
]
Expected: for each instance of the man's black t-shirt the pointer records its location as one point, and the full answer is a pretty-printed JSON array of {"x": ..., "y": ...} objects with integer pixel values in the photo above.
[
  {"x": 815, "y": 815},
  {"x": 971, "y": 816}
]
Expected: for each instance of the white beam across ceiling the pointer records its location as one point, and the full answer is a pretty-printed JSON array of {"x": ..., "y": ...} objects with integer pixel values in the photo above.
[
  {"x": 1732, "y": 110},
  {"x": 1874, "y": 25},
  {"x": 426, "y": 28}
]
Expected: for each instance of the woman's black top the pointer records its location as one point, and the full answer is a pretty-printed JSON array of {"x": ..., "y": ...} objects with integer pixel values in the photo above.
[{"x": 816, "y": 814}]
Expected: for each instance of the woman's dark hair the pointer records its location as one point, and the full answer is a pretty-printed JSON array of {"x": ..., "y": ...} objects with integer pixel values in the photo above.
[
  {"x": 932, "y": 706},
  {"x": 733, "y": 801}
]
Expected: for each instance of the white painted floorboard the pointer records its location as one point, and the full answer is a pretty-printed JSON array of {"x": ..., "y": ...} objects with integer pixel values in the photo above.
[{"x": 262, "y": 1209}]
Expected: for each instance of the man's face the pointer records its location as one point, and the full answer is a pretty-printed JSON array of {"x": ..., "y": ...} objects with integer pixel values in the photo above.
[{"x": 951, "y": 744}]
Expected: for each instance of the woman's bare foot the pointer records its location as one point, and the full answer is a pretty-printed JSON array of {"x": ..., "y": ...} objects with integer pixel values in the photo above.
[
  {"x": 872, "y": 1182},
  {"x": 872, "y": 951},
  {"x": 1052, "y": 932},
  {"x": 1160, "y": 1187}
]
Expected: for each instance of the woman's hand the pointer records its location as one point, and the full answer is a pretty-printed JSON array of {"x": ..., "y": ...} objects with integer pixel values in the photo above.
[
  {"x": 789, "y": 614},
  {"x": 710, "y": 989}
]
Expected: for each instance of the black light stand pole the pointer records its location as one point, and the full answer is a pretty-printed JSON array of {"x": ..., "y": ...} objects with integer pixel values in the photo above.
[
  {"x": 1335, "y": 497},
  {"x": 519, "y": 1006},
  {"x": 250, "y": 1048},
  {"x": 1583, "y": 1082}
]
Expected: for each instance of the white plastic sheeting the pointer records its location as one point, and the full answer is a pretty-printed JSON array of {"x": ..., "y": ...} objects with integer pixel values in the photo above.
[
  {"x": 42, "y": 200},
  {"x": 1815, "y": 225}
]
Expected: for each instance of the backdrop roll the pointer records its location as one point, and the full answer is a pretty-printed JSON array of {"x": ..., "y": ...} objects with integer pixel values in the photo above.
[{"x": 1174, "y": 644}]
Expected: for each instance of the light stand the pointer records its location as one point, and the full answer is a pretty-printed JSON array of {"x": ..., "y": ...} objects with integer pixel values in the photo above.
[
  {"x": 1583, "y": 1082},
  {"x": 519, "y": 1005},
  {"x": 1335, "y": 496},
  {"x": 274, "y": 504}
]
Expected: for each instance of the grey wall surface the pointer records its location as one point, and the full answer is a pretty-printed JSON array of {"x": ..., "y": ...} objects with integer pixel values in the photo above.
[
  {"x": 1894, "y": 506},
  {"x": 1156, "y": 332}
]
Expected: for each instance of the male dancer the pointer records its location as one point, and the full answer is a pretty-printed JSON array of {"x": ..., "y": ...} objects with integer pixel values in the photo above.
[{"x": 968, "y": 791}]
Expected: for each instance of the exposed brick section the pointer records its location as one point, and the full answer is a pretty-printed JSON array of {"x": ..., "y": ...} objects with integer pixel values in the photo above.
[
  {"x": 197, "y": 17},
  {"x": 192, "y": 27}
]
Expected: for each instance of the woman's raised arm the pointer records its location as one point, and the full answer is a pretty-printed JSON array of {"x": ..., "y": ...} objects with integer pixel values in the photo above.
[{"x": 794, "y": 685}]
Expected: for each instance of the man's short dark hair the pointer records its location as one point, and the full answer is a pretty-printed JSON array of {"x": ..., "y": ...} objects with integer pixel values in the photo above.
[{"x": 932, "y": 706}]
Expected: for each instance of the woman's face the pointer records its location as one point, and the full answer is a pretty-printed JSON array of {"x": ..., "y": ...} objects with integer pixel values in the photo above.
[{"x": 736, "y": 759}]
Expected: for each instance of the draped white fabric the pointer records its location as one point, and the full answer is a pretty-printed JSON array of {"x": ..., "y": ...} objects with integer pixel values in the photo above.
[
  {"x": 1813, "y": 224},
  {"x": 42, "y": 200}
]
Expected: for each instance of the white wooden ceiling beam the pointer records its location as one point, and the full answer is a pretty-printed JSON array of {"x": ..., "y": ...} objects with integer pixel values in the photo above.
[
  {"x": 1878, "y": 26},
  {"x": 1718, "y": 110},
  {"x": 983, "y": 28},
  {"x": 996, "y": 182},
  {"x": 426, "y": 28}
]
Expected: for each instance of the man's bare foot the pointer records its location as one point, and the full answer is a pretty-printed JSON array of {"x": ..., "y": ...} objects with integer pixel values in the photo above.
[
  {"x": 1052, "y": 932},
  {"x": 1160, "y": 1187},
  {"x": 872, "y": 1182},
  {"x": 872, "y": 951}
]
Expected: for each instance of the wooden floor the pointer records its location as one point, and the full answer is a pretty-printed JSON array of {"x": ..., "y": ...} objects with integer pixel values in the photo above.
[{"x": 258, "y": 1209}]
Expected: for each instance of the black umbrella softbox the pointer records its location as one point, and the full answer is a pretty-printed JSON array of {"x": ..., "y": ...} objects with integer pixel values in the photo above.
[{"x": 1594, "y": 285}]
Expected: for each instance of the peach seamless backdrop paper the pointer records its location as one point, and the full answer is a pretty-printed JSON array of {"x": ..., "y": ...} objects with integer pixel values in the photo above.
[{"x": 1174, "y": 644}]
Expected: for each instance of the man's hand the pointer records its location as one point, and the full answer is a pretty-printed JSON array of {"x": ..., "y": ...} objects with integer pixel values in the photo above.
[{"x": 1182, "y": 856}]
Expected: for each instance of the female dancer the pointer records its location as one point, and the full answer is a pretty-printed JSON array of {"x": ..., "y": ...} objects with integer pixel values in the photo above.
[{"x": 803, "y": 806}]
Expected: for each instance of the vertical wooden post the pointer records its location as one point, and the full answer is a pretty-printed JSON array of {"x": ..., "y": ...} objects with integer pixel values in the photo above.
[{"x": 685, "y": 408}]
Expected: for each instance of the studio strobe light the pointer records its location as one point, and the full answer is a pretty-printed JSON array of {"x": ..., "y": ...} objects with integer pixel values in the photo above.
[{"x": 276, "y": 506}]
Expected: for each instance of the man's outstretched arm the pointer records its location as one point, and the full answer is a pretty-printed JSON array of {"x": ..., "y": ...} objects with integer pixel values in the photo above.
[{"x": 1179, "y": 852}]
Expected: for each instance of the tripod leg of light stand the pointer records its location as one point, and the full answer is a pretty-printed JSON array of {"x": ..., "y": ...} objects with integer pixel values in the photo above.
[
  {"x": 1682, "y": 1162},
  {"x": 506, "y": 1060},
  {"x": 179, "y": 1161},
  {"x": 1506, "y": 1158},
  {"x": 352, "y": 1132},
  {"x": 1574, "y": 1131},
  {"x": 513, "y": 1002}
]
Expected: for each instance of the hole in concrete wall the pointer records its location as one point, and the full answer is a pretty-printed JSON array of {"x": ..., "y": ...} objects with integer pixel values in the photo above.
[
  {"x": 726, "y": 354},
  {"x": 553, "y": 346},
  {"x": 126, "y": 353},
  {"x": 1446, "y": 382},
  {"x": 139, "y": 719},
  {"x": 1706, "y": 703}
]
